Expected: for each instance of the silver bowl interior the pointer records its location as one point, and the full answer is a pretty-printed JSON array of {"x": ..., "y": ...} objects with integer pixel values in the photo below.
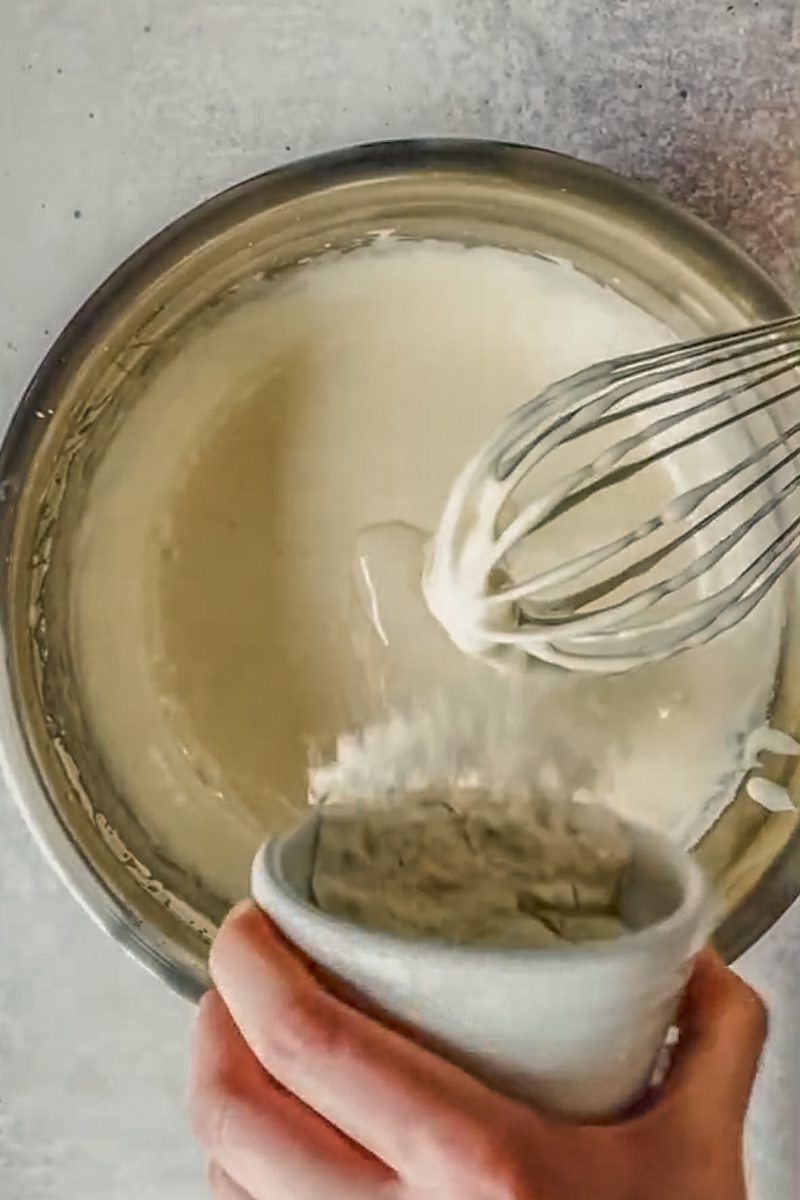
[{"x": 477, "y": 193}]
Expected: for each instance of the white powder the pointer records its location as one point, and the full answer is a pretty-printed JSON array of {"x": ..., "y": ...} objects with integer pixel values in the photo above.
[{"x": 462, "y": 866}]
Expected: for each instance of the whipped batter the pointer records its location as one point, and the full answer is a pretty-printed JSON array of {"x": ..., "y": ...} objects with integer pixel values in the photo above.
[{"x": 246, "y": 583}]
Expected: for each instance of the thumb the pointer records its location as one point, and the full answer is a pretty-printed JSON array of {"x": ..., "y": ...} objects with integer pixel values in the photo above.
[{"x": 722, "y": 1035}]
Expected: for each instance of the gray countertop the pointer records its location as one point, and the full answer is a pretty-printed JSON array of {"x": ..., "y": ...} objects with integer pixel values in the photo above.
[{"x": 115, "y": 117}]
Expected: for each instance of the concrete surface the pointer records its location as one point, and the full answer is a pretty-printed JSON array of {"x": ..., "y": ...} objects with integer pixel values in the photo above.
[{"x": 114, "y": 117}]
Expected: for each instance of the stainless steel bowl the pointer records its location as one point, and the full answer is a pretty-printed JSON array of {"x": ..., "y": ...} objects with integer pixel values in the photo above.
[{"x": 472, "y": 192}]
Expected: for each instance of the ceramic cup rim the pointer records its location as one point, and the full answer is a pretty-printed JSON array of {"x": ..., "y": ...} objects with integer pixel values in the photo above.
[{"x": 692, "y": 917}]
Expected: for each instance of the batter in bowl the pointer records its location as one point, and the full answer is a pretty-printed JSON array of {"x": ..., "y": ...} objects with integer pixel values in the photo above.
[{"x": 246, "y": 580}]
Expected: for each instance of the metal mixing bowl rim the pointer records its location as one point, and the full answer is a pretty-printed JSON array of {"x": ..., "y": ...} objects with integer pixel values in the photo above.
[{"x": 25, "y": 431}]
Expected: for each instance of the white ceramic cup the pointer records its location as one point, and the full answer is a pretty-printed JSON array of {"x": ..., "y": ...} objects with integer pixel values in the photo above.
[{"x": 576, "y": 1030}]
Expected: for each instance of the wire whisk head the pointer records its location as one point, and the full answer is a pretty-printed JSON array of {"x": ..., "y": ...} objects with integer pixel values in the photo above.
[{"x": 630, "y": 512}]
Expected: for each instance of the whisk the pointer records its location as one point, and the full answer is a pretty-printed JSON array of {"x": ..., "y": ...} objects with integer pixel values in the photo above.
[{"x": 632, "y": 599}]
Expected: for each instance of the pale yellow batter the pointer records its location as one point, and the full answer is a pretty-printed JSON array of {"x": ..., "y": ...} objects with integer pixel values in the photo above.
[{"x": 235, "y": 608}]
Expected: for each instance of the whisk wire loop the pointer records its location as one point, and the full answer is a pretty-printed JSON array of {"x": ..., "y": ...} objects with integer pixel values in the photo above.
[{"x": 608, "y": 607}]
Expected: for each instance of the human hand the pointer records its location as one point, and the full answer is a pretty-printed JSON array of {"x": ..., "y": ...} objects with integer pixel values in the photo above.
[{"x": 298, "y": 1095}]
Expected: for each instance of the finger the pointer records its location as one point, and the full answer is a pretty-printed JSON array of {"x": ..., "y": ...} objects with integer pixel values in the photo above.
[
  {"x": 722, "y": 1034},
  {"x": 222, "y": 1187},
  {"x": 263, "y": 1138},
  {"x": 406, "y": 1105}
]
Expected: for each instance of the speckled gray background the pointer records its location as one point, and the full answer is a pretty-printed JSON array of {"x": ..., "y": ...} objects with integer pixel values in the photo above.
[{"x": 116, "y": 116}]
